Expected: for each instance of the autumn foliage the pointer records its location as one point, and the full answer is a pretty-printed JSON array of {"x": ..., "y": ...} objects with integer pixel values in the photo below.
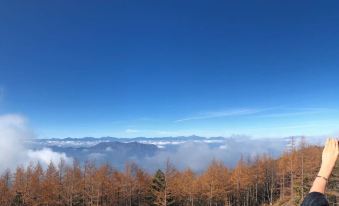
[{"x": 254, "y": 181}]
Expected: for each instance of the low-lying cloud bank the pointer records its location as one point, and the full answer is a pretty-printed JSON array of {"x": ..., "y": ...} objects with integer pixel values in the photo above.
[
  {"x": 13, "y": 152},
  {"x": 184, "y": 152},
  {"x": 198, "y": 155}
]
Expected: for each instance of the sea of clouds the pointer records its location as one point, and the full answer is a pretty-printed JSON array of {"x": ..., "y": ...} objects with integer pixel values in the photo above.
[
  {"x": 15, "y": 133},
  {"x": 198, "y": 155}
]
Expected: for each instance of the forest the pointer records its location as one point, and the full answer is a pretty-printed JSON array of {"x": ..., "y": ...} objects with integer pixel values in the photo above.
[{"x": 260, "y": 180}]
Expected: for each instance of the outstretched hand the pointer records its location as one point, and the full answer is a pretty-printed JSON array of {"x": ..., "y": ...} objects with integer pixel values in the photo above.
[{"x": 329, "y": 157}]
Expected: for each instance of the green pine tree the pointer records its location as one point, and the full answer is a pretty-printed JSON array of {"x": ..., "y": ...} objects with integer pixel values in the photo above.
[
  {"x": 160, "y": 195},
  {"x": 17, "y": 201}
]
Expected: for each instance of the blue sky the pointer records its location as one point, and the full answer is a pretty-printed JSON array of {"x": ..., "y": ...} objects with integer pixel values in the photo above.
[{"x": 168, "y": 68}]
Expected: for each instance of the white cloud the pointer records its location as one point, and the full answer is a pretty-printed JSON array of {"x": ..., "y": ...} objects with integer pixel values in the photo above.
[
  {"x": 12, "y": 134},
  {"x": 46, "y": 155},
  {"x": 13, "y": 151}
]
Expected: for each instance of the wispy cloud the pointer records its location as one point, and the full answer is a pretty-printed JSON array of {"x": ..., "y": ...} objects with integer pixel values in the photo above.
[
  {"x": 263, "y": 112},
  {"x": 217, "y": 114}
]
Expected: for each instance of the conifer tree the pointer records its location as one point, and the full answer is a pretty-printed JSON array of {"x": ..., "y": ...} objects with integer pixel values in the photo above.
[{"x": 160, "y": 196}]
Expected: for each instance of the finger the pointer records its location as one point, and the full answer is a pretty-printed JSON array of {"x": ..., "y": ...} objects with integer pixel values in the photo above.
[
  {"x": 327, "y": 143},
  {"x": 334, "y": 144},
  {"x": 324, "y": 149},
  {"x": 330, "y": 143}
]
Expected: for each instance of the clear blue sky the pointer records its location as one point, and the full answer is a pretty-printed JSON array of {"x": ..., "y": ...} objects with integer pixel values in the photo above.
[{"x": 162, "y": 68}]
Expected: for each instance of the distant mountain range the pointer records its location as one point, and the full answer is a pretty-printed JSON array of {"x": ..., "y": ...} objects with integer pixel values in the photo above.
[
  {"x": 69, "y": 141},
  {"x": 185, "y": 151}
]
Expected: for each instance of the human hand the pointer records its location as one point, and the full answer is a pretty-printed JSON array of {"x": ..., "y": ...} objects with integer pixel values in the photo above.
[{"x": 329, "y": 157}]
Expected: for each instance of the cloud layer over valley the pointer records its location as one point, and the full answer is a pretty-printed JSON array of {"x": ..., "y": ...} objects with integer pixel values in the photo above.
[
  {"x": 18, "y": 146},
  {"x": 152, "y": 153}
]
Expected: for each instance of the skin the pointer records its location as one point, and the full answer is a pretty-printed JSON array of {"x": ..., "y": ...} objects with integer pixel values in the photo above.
[{"x": 329, "y": 158}]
